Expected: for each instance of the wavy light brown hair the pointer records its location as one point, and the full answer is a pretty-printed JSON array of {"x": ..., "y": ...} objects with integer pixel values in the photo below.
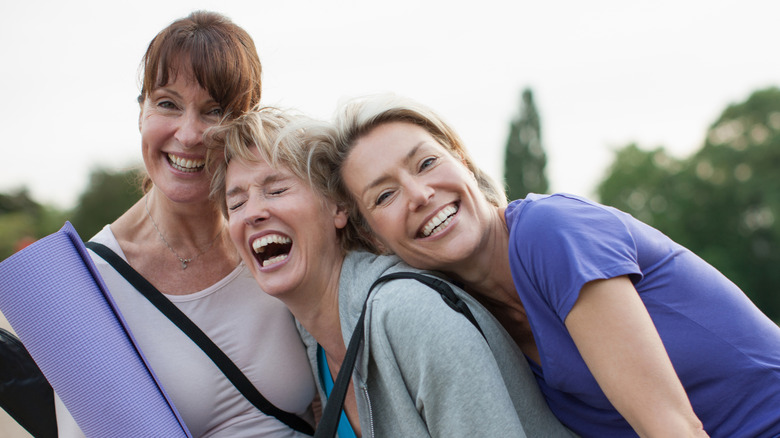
[{"x": 359, "y": 117}]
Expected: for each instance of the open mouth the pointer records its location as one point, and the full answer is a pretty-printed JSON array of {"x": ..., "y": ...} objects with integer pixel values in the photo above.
[
  {"x": 186, "y": 165},
  {"x": 271, "y": 249},
  {"x": 440, "y": 221}
]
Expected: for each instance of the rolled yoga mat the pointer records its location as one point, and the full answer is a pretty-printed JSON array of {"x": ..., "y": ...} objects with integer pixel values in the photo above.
[{"x": 54, "y": 298}]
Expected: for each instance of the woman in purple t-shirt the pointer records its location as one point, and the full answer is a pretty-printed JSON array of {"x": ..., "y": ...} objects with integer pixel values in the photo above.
[{"x": 627, "y": 331}]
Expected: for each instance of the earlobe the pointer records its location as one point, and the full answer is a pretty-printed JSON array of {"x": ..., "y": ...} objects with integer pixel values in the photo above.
[{"x": 340, "y": 218}]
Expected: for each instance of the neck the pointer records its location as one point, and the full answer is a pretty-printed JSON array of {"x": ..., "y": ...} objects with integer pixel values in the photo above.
[
  {"x": 487, "y": 276},
  {"x": 189, "y": 232},
  {"x": 486, "y": 273},
  {"x": 184, "y": 224},
  {"x": 316, "y": 307}
]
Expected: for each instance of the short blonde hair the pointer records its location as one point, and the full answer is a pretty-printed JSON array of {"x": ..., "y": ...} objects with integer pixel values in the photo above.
[
  {"x": 283, "y": 139},
  {"x": 359, "y": 117}
]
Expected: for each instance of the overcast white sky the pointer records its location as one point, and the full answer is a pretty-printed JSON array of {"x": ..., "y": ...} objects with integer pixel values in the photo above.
[{"x": 604, "y": 73}]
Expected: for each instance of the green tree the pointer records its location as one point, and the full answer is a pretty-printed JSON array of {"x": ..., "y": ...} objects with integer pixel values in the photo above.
[
  {"x": 524, "y": 158},
  {"x": 738, "y": 169},
  {"x": 23, "y": 220},
  {"x": 19, "y": 201},
  {"x": 107, "y": 196},
  {"x": 16, "y": 228},
  {"x": 645, "y": 184},
  {"x": 723, "y": 202}
]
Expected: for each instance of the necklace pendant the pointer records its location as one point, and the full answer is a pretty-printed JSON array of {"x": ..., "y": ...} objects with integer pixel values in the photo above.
[{"x": 184, "y": 263}]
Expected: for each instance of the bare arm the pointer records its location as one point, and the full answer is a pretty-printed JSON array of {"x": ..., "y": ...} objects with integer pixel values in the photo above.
[{"x": 619, "y": 343}]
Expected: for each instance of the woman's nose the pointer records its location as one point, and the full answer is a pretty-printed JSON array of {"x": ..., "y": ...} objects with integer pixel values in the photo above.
[
  {"x": 419, "y": 194},
  {"x": 190, "y": 130},
  {"x": 257, "y": 211}
]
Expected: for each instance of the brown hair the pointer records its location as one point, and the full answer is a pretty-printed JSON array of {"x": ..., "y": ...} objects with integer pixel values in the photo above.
[
  {"x": 220, "y": 54},
  {"x": 357, "y": 118}
]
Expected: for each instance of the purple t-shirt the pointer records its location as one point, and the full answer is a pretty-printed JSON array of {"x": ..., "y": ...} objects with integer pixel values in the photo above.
[{"x": 725, "y": 351}]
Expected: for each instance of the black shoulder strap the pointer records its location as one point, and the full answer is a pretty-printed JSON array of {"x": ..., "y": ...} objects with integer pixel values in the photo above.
[
  {"x": 332, "y": 413},
  {"x": 231, "y": 371}
]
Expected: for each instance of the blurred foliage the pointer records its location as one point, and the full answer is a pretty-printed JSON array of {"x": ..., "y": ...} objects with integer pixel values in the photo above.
[
  {"x": 107, "y": 196},
  {"x": 723, "y": 202},
  {"x": 22, "y": 220},
  {"x": 524, "y": 158}
]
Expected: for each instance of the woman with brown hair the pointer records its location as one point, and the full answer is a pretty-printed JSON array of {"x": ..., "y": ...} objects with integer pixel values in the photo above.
[{"x": 196, "y": 72}]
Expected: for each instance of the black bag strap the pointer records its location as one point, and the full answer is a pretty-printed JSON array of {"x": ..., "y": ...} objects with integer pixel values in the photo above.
[
  {"x": 332, "y": 413},
  {"x": 231, "y": 371}
]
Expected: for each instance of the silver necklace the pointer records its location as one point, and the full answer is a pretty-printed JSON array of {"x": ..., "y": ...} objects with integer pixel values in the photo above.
[{"x": 183, "y": 260}]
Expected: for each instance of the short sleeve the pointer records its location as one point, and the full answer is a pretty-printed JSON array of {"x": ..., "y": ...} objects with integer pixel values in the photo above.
[{"x": 559, "y": 243}]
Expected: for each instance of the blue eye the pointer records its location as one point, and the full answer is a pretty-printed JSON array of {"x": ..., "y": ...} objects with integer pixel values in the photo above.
[
  {"x": 166, "y": 104},
  {"x": 426, "y": 163},
  {"x": 383, "y": 197}
]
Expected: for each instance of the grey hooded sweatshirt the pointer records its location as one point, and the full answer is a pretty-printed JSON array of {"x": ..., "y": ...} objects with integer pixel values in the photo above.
[{"x": 424, "y": 370}]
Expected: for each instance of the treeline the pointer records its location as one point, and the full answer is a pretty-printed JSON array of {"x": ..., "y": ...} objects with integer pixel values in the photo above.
[{"x": 108, "y": 194}]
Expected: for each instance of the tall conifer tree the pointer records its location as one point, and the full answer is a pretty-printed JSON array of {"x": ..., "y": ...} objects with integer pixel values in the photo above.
[{"x": 524, "y": 159}]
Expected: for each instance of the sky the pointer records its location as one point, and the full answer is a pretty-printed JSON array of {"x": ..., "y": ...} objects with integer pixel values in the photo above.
[{"x": 604, "y": 73}]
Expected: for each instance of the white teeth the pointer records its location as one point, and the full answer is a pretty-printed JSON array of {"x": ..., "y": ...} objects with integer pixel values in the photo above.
[
  {"x": 273, "y": 260},
  {"x": 186, "y": 165},
  {"x": 440, "y": 221},
  {"x": 259, "y": 244}
]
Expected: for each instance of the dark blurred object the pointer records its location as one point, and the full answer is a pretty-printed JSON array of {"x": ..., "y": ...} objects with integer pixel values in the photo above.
[{"x": 24, "y": 392}]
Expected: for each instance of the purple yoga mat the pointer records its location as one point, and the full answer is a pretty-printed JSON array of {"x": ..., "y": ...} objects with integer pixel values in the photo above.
[{"x": 55, "y": 300}]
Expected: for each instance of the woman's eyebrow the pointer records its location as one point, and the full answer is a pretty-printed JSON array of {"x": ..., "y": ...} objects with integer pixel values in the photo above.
[
  {"x": 382, "y": 178},
  {"x": 166, "y": 90},
  {"x": 234, "y": 191},
  {"x": 270, "y": 179}
]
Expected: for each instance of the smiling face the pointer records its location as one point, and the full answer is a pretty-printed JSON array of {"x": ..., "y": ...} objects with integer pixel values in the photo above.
[
  {"x": 285, "y": 232},
  {"x": 421, "y": 202},
  {"x": 172, "y": 121}
]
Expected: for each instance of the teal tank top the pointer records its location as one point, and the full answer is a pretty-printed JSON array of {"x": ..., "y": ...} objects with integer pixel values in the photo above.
[{"x": 345, "y": 429}]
